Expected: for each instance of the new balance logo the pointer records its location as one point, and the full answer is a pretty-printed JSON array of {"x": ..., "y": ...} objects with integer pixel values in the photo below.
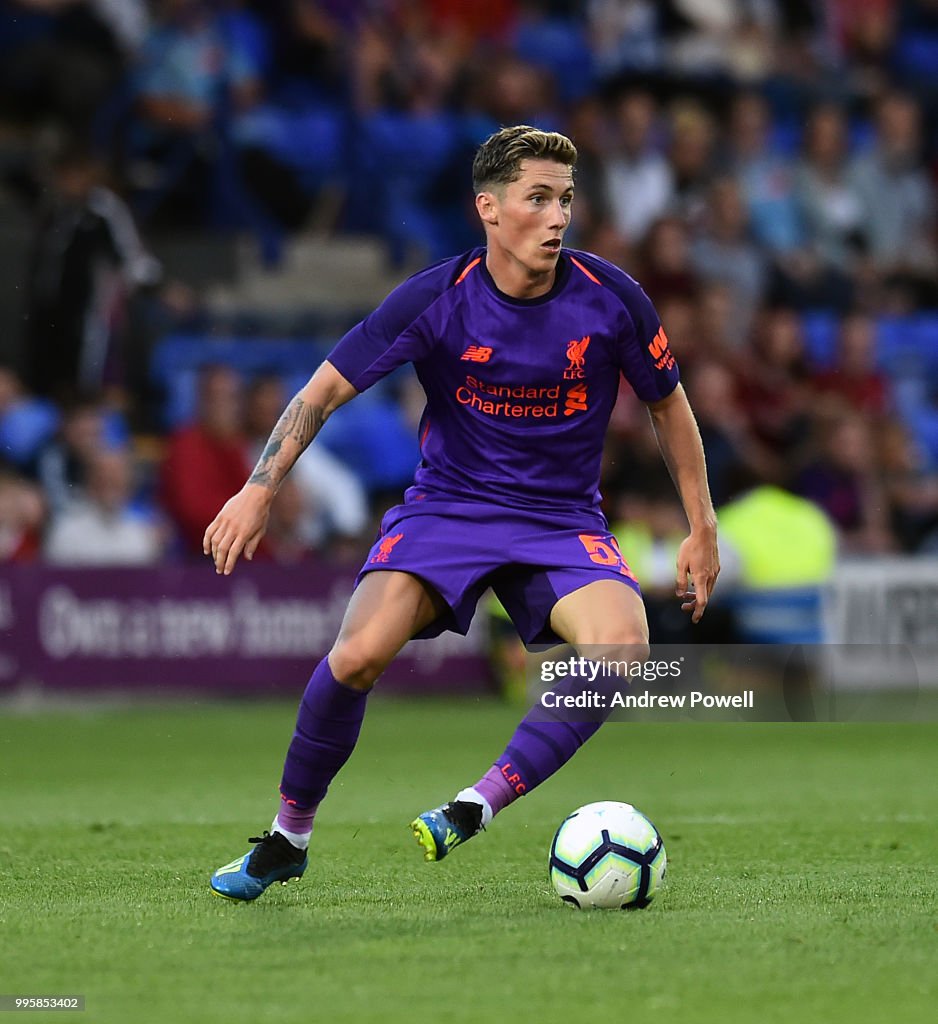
[
  {"x": 386, "y": 547},
  {"x": 451, "y": 838},
  {"x": 477, "y": 354},
  {"x": 660, "y": 352},
  {"x": 575, "y": 400}
]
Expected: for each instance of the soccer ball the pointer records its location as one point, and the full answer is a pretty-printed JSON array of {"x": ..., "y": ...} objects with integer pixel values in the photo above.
[{"x": 607, "y": 855}]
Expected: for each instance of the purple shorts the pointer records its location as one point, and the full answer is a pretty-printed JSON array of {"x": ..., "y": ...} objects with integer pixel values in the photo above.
[{"x": 529, "y": 559}]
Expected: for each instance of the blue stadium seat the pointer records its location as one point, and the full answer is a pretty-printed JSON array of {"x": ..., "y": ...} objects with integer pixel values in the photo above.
[
  {"x": 923, "y": 423},
  {"x": 560, "y": 47},
  {"x": 25, "y": 428},
  {"x": 372, "y": 436},
  {"x": 916, "y": 57},
  {"x": 925, "y": 331},
  {"x": 401, "y": 160},
  {"x": 898, "y": 346},
  {"x": 861, "y": 134},
  {"x": 177, "y": 359},
  {"x": 785, "y": 137},
  {"x": 905, "y": 346},
  {"x": 312, "y": 140},
  {"x": 820, "y": 334}
]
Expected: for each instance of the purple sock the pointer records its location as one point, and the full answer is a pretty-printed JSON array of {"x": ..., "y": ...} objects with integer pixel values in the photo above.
[
  {"x": 536, "y": 750},
  {"x": 327, "y": 727}
]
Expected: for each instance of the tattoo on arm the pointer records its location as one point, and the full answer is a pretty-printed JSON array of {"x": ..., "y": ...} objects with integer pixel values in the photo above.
[{"x": 299, "y": 424}]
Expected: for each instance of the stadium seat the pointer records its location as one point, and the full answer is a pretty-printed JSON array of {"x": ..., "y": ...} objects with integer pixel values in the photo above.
[
  {"x": 25, "y": 428},
  {"x": 402, "y": 157},
  {"x": 560, "y": 47},
  {"x": 916, "y": 57},
  {"x": 820, "y": 334},
  {"x": 177, "y": 359},
  {"x": 923, "y": 422},
  {"x": 372, "y": 436},
  {"x": 311, "y": 140},
  {"x": 898, "y": 347}
]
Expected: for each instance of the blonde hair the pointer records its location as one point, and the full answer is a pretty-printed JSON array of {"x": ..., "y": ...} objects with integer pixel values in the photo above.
[{"x": 498, "y": 160}]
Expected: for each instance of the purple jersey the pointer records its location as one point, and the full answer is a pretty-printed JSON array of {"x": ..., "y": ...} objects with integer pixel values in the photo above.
[{"x": 519, "y": 391}]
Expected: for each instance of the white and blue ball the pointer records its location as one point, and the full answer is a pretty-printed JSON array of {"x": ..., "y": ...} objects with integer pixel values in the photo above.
[{"x": 607, "y": 855}]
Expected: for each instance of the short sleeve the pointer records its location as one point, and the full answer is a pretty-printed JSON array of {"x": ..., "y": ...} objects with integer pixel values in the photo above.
[
  {"x": 644, "y": 353},
  {"x": 389, "y": 337},
  {"x": 397, "y": 331}
]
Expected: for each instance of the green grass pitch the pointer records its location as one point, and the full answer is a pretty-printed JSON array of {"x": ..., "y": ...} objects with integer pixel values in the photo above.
[{"x": 802, "y": 874}]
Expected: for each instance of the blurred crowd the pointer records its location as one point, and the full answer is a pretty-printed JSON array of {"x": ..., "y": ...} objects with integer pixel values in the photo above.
[{"x": 766, "y": 169}]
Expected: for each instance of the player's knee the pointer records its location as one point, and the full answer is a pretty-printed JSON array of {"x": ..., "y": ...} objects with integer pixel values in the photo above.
[
  {"x": 623, "y": 646},
  {"x": 619, "y": 633},
  {"x": 357, "y": 662}
]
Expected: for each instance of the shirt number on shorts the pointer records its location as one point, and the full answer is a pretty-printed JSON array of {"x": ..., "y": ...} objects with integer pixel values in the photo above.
[{"x": 605, "y": 551}]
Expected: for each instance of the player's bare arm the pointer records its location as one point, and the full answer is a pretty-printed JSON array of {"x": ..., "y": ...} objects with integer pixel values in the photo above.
[
  {"x": 682, "y": 449},
  {"x": 240, "y": 525}
]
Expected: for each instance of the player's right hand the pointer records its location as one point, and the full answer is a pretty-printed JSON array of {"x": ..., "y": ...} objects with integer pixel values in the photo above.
[{"x": 238, "y": 528}]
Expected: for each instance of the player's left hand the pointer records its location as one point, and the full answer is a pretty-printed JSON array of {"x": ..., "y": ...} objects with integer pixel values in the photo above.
[{"x": 698, "y": 559}]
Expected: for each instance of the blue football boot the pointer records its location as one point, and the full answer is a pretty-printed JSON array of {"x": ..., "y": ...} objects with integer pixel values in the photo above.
[
  {"x": 274, "y": 859},
  {"x": 444, "y": 828}
]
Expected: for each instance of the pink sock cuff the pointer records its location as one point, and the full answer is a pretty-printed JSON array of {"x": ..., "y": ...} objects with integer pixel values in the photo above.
[
  {"x": 496, "y": 788},
  {"x": 295, "y": 819}
]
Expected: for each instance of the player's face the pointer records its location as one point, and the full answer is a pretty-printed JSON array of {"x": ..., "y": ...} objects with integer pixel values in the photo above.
[{"x": 528, "y": 217}]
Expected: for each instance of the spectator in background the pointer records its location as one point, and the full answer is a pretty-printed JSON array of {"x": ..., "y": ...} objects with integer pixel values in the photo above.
[
  {"x": 911, "y": 490},
  {"x": 401, "y": 63},
  {"x": 22, "y": 512},
  {"x": 719, "y": 331},
  {"x": 26, "y": 423},
  {"x": 768, "y": 181},
  {"x": 310, "y": 42},
  {"x": 639, "y": 182},
  {"x": 70, "y": 56},
  {"x": 678, "y": 312},
  {"x": 725, "y": 252},
  {"x": 188, "y": 68},
  {"x": 666, "y": 268},
  {"x": 593, "y": 228},
  {"x": 830, "y": 206},
  {"x": 842, "y": 479},
  {"x": 284, "y": 541},
  {"x": 61, "y": 467},
  {"x": 330, "y": 502},
  {"x": 206, "y": 459},
  {"x": 864, "y": 32},
  {"x": 510, "y": 90},
  {"x": 773, "y": 594},
  {"x": 103, "y": 528},
  {"x": 899, "y": 203},
  {"x": 713, "y": 38},
  {"x": 624, "y": 36},
  {"x": 693, "y": 138},
  {"x": 191, "y": 80},
  {"x": 765, "y": 176},
  {"x": 854, "y": 378},
  {"x": 774, "y": 383},
  {"x": 87, "y": 259},
  {"x": 728, "y": 441},
  {"x": 649, "y": 526}
]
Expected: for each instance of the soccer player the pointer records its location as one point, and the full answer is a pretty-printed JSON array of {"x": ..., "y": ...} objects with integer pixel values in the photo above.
[{"x": 519, "y": 346}]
